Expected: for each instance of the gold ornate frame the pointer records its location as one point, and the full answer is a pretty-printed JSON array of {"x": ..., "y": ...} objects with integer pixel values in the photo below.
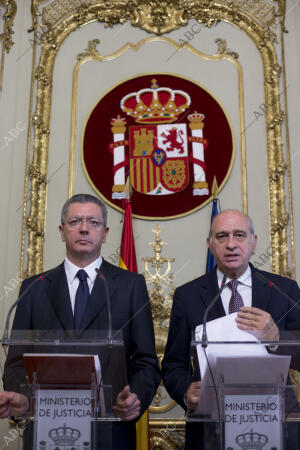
[
  {"x": 256, "y": 19},
  {"x": 61, "y": 17}
]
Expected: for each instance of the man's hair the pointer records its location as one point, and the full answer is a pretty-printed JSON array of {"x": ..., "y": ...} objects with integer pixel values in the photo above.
[
  {"x": 83, "y": 198},
  {"x": 251, "y": 226}
]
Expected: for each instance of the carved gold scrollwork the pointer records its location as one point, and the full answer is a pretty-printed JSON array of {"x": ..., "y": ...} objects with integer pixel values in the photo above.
[
  {"x": 7, "y": 31},
  {"x": 91, "y": 50},
  {"x": 158, "y": 16},
  {"x": 280, "y": 224},
  {"x": 277, "y": 172},
  {"x": 277, "y": 119},
  {"x": 81, "y": 14},
  {"x": 163, "y": 16},
  {"x": 223, "y": 50},
  {"x": 167, "y": 434},
  {"x": 34, "y": 225},
  {"x": 41, "y": 76},
  {"x": 35, "y": 172}
]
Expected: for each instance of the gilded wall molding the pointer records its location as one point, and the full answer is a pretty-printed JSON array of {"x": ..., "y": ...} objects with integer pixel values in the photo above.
[
  {"x": 172, "y": 15},
  {"x": 10, "y": 10},
  {"x": 160, "y": 16},
  {"x": 167, "y": 434}
]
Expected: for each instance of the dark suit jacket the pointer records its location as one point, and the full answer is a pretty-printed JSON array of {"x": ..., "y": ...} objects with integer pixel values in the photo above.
[
  {"x": 189, "y": 304},
  {"x": 46, "y": 306}
]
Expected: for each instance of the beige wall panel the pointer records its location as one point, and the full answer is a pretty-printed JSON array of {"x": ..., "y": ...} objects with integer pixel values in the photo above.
[{"x": 185, "y": 236}]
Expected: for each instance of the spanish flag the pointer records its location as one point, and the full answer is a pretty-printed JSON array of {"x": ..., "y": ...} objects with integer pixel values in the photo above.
[
  {"x": 210, "y": 261},
  {"x": 128, "y": 262},
  {"x": 127, "y": 251}
]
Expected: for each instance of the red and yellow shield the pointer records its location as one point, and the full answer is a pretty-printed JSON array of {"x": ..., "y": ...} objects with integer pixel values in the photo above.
[{"x": 158, "y": 158}]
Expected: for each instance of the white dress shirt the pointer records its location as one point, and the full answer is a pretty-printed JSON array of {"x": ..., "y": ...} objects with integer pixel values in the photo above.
[
  {"x": 244, "y": 287},
  {"x": 73, "y": 282}
]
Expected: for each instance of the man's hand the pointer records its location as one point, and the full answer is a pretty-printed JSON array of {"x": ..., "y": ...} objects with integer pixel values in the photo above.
[
  {"x": 192, "y": 395},
  {"x": 12, "y": 404},
  {"x": 259, "y": 322},
  {"x": 128, "y": 405}
]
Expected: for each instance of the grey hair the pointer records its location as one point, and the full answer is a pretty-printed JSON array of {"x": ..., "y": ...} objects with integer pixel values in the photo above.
[
  {"x": 83, "y": 198},
  {"x": 250, "y": 222}
]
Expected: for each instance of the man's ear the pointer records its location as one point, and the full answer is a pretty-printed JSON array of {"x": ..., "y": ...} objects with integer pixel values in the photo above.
[
  {"x": 105, "y": 235},
  {"x": 61, "y": 229},
  {"x": 254, "y": 244}
]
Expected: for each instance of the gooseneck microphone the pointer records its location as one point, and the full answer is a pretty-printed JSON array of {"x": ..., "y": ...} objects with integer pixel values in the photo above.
[
  {"x": 277, "y": 288},
  {"x": 107, "y": 298},
  {"x": 39, "y": 278},
  {"x": 209, "y": 307}
]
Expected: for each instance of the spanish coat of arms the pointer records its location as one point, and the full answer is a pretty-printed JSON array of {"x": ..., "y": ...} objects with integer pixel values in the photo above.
[{"x": 158, "y": 142}]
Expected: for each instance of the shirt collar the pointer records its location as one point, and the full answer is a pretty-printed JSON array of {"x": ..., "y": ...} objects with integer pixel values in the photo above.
[
  {"x": 245, "y": 278},
  {"x": 71, "y": 270}
]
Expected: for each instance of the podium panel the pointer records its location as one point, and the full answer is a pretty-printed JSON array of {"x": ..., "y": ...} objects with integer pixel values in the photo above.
[
  {"x": 247, "y": 398},
  {"x": 71, "y": 379}
]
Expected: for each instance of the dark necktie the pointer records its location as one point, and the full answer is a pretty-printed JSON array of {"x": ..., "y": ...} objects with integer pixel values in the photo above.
[
  {"x": 236, "y": 301},
  {"x": 81, "y": 298}
]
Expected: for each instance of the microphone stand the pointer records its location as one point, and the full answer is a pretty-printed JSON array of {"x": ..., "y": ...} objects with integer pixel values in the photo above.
[
  {"x": 107, "y": 298},
  {"x": 272, "y": 284},
  {"x": 212, "y": 303}
]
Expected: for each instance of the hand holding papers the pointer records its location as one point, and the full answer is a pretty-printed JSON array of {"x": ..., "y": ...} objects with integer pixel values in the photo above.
[
  {"x": 257, "y": 322},
  {"x": 224, "y": 329},
  {"x": 231, "y": 353}
]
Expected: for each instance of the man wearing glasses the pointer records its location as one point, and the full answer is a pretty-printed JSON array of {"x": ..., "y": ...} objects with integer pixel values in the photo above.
[
  {"x": 260, "y": 307},
  {"x": 72, "y": 296}
]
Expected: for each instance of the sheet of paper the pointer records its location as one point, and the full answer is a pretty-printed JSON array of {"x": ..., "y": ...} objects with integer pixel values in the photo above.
[{"x": 225, "y": 329}]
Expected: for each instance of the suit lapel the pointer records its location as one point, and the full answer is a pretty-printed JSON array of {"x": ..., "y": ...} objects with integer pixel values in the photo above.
[
  {"x": 261, "y": 292},
  {"x": 208, "y": 290},
  {"x": 97, "y": 303},
  {"x": 59, "y": 296}
]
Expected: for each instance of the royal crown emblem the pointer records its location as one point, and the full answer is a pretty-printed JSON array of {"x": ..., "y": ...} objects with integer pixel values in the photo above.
[
  {"x": 155, "y": 104},
  {"x": 251, "y": 440},
  {"x": 64, "y": 436}
]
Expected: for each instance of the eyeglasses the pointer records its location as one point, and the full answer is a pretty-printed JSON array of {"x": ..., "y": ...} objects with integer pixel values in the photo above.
[
  {"x": 91, "y": 223},
  {"x": 238, "y": 236}
]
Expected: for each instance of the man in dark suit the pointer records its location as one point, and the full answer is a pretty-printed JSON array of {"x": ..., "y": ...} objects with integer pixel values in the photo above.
[
  {"x": 52, "y": 301},
  {"x": 232, "y": 241}
]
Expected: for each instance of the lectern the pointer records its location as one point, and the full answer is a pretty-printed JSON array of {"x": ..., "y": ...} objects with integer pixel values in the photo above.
[
  {"x": 71, "y": 379},
  {"x": 247, "y": 400}
]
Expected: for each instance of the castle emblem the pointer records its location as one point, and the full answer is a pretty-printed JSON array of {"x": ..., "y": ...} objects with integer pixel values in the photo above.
[{"x": 160, "y": 151}]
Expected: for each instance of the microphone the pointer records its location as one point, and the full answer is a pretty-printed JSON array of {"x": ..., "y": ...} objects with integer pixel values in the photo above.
[
  {"x": 5, "y": 338},
  {"x": 107, "y": 298},
  {"x": 277, "y": 288},
  {"x": 212, "y": 303}
]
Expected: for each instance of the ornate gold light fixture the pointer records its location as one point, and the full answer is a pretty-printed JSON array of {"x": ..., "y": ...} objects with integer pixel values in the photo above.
[{"x": 159, "y": 278}]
